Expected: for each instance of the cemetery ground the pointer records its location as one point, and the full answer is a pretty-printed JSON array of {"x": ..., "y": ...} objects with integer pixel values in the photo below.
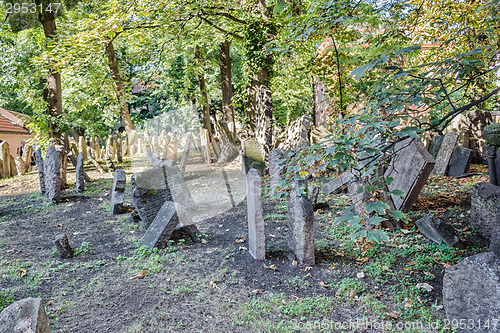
[{"x": 112, "y": 285}]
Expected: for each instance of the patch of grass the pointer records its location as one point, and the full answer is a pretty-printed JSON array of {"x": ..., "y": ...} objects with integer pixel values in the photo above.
[
  {"x": 298, "y": 282},
  {"x": 84, "y": 248},
  {"x": 6, "y": 297}
]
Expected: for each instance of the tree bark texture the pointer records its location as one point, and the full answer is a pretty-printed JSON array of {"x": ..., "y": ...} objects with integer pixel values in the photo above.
[{"x": 227, "y": 88}]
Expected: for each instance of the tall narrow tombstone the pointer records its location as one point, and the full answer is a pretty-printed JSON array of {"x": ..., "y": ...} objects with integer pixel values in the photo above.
[
  {"x": 118, "y": 192},
  {"x": 39, "y": 165},
  {"x": 80, "y": 174},
  {"x": 5, "y": 157},
  {"x": 276, "y": 169},
  {"x": 256, "y": 235},
  {"x": 19, "y": 165},
  {"x": 185, "y": 154},
  {"x": 12, "y": 167},
  {"x": 460, "y": 162},
  {"x": 301, "y": 225},
  {"x": 444, "y": 154},
  {"x": 172, "y": 150},
  {"x": 119, "y": 147},
  {"x": 435, "y": 145},
  {"x": 205, "y": 148},
  {"x": 410, "y": 167},
  {"x": 139, "y": 146},
  {"x": 253, "y": 156},
  {"x": 52, "y": 175},
  {"x": 27, "y": 158}
]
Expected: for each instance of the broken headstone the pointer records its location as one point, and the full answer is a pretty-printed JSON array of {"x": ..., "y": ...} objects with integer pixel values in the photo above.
[
  {"x": 437, "y": 231},
  {"x": 118, "y": 192},
  {"x": 25, "y": 316},
  {"x": 63, "y": 248},
  {"x": 485, "y": 208},
  {"x": 256, "y": 235}
]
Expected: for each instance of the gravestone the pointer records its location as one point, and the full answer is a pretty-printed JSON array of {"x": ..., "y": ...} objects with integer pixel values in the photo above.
[
  {"x": 437, "y": 231},
  {"x": 12, "y": 166},
  {"x": 460, "y": 162},
  {"x": 119, "y": 147},
  {"x": 485, "y": 208},
  {"x": 20, "y": 166},
  {"x": 80, "y": 174},
  {"x": 25, "y": 316},
  {"x": 204, "y": 146},
  {"x": 228, "y": 153},
  {"x": 5, "y": 157},
  {"x": 153, "y": 159},
  {"x": 39, "y": 165},
  {"x": 185, "y": 154},
  {"x": 63, "y": 248},
  {"x": 301, "y": 226},
  {"x": 276, "y": 169},
  {"x": 444, "y": 154},
  {"x": 495, "y": 241},
  {"x": 435, "y": 145},
  {"x": 172, "y": 150},
  {"x": 118, "y": 191},
  {"x": 264, "y": 119},
  {"x": 256, "y": 235},
  {"x": 297, "y": 133},
  {"x": 170, "y": 217},
  {"x": 471, "y": 292},
  {"x": 52, "y": 175},
  {"x": 151, "y": 188},
  {"x": 492, "y": 137},
  {"x": 339, "y": 184},
  {"x": 253, "y": 156},
  {"x": 410, "y": 167}
]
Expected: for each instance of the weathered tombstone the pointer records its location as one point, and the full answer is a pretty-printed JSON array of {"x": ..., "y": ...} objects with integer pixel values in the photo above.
[
  {"x": 410, "y": 167},
  {"x": 256, "y": 235},
  {"x": 492, "y": 137},
  {"x": 39, "y": 165},
  {"x": 313, "y": 194},
  {"x": 109, "y": 163},
  {"x": 172, "y": 150},
  {"x": 177, "y": 186},
  {"x": 27, "y": 159},
  {"x": 276, "y": 169},
  {"x": 185, "y": 154},
  {"x": 471, "y": 293},
  {"x": 339, "y": 184},
  {"x": 119, "y": 147},
  {"x": 485, "y": 208},
  {"x": 5, "y": 157},
  {"x": 63, "y": 248},
  {"x": 170, "y": 217},
  {"x": 205, "y": 148},
  {"x": 83, "y": 147},
  {"x": 20, "y": 166},
  {"x": 228, "y": 153},
  {"x": 297, "y": 134},
  {"x": 52, "y": 175},
  {"x": 460, "y": 162},
  {"x": 118, "y": 191},
  {"x": 495, "y": 241},
  {"x": 12, "y": 166},
  {"x": 437, "y": 231},
  {"x": 444, "y": 155},
  {"x": 153, "y": 159},
  {"x": 301, "y": 226},
  {"x": 253, "y": 156},
  {"x": 25, "y": 316},
  {"x": 63, "y": 162},
  {"x": 435, "y": 145},
  {"x": 264, "y": 118},
  {"x": 80, "y": 174}
]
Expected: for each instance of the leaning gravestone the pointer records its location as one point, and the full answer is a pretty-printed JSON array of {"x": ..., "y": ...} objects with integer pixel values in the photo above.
[
  {"x": 301, "y": 226},
  {"x": 170, "y": 217},
  {"x": 276, "y": 169},
  {"x": 460, "y": 162},
  {"x": 25, "y": 316},
  {"x": 444, "y": 155},
  {"x": 5, "y": 158},
  {"x": 437, "y": 231},
  {"x": 80, "y": 174},
  {"x": 118, "y": 192},
  {"x": 485, "y": 208},
  {"x": 471, "y": 293},
  {"x": 253, "y": 156},
  {"x": 435, "y": 145},
  {"x": 185, "y": 154},
  {"x": 52, "y": 175},
  {"x": 410, "y": 167},
  {"x": 39, "y": 165},
  {"x": 339, "y": 184},
  {"x": 297, "y": 134},
  {"x": 256, "y": 235}
]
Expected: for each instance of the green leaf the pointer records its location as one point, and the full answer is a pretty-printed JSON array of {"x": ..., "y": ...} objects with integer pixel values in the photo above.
[
  {"x": 377, "y": 206},
  {"x": 409, "y": 49},
  {"x": 376, "y": 220},
  {"x": 397, "y": 192},
  {"x": 399, "y": 216}
]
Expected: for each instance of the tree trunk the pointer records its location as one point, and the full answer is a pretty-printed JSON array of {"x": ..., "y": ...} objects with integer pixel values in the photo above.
[
  {"x": 120, "y": 90},
  {"x": 227, "y": 89},
  {"x": 204, "y": 99}
]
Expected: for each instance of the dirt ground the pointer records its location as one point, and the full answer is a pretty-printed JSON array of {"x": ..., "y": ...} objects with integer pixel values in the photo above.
[{"x": 112, "y": 285}]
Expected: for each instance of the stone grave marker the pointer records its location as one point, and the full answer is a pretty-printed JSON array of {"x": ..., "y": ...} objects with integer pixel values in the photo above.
[
  {"x": 185, "y": 154},
  {"x": 63, "y": 248},
  {"x": 410, "y": 167},
  {"x": 437, "y": 231},
  {"x": 460, "y": 162},
  {"x": 172, "y": 150},
  {"x": 301, "y": 226},
  {"x": 471, "y": 292},
  {"x": 256, "y": 235},
  {"x": 276, "y": 169},
  {"x": 253, "y": 156},
  {"x": 435, "y": 145},
  {"x": 495, "y": 241},
  {"x": 52, "y": 175},
  {"x": 485, "y": 208},
  {"x": 39, "y": 165},
  {"x": 444, "y": 155},
  {"x": 25, "y": 316},
  {"x": 297, "y": 134},
  {"x": 80, "y": 174},
  {"x": 118, "y": 191},
  {"x": 153, "y": 159},
  {"x": 5, "y": 157},
  {"x": 339, "y": 184}
]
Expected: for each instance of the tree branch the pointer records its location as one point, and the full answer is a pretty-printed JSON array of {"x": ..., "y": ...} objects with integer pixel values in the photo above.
[{"x": 220, "y": 29}]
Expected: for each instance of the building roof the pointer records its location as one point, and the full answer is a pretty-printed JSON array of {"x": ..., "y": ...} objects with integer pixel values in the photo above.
[{"x": 12, "y": 122}]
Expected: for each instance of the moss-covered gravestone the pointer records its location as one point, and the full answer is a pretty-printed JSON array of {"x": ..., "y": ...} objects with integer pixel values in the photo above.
[{"x": 253, "y": 156}]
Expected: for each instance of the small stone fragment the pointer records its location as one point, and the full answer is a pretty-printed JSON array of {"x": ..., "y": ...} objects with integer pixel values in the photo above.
[{"x": 63, "y": 247}]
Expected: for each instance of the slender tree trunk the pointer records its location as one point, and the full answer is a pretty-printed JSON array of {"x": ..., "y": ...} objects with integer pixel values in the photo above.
[
  {"x": 204, "y": 99},
  {"x": 227, "y": 89},
  {"x": 120, "y": 90}
]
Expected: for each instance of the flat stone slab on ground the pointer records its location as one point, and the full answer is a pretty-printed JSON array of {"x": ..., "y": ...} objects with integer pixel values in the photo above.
[
  {"x": 437, "y": 231},
  {"x": 485, "y": 208},
  {"x": 25, "y": 316},
  {"x": 471, "y": 291}
]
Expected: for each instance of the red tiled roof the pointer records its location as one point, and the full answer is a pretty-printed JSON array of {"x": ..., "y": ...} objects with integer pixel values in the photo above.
[{"x": 7, "y": 126}]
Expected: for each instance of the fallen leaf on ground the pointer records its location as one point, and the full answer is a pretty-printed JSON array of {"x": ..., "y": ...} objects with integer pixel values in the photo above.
[
  {"x": 429, "y": 274},
  {"x": 404, "y": 231},
  {"x": 295, "y": 263},
  {"x": 212, "y": 284},
  {"x": 241, "y": 240},
  {"x": 392, "y": 315},
  {"x": 273, "y": 267},
  {"x": 361, "y": 260},
  {"x": 140, "y": 275},
  {"x": 360, "y": 275},
  {"x": 308, "y": 275},
  {"x": 425, "y": 286}
]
